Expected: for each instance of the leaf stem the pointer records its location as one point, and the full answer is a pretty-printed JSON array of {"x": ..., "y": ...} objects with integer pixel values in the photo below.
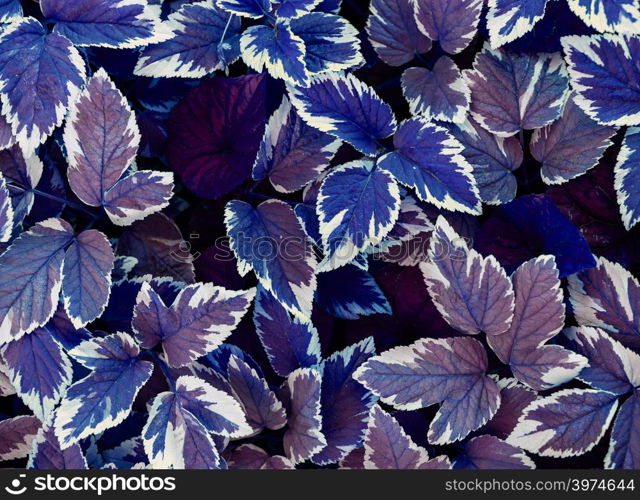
[
  {"x": 70, "y": 204},
  {"x": 164, "y": 367}
]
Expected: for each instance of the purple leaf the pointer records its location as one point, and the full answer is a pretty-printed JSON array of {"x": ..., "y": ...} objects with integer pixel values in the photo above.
[
  {"x": 48, "y": 455},
  {"x": 292, "y": 154},
  {"x": 621, "y": 16},
  {"x": 514, "y": 398},
  {"x": 489, "y": 452},
  {"x": 201, "y": 317},
  {"x": 210, "y": 147},
  {"x": 16, "y": 436},
  {"x": 303, "y": 437},
  {"x": 345, "y": 403},
  {"x": 393, "y": 32},
  {"x": 261, "y": 406},
  {"x": 6, "y": 212},
  {"x": 428, "y": 159},
  {"x": 345, "y": 107},
  {"x": 40, "y": 75},
  {"x": 493, "y": 159},
  {"x": 29, "y": 287},
  {"x": 86, "y": 277},
  {"x": 570, "y": 146},
  {"x": 624, "y": 448},
  {"x": 6, "y": 389},
  {"x": 453, "y": 23},
  {"x": 565, "y": 424},
  {"x": 512, "y": 92},
  {"x": 39, "y": 369},
  {"x": 627, "y": 176},
  {"x": 538, "y": 317},
  {"x": 197, "y": 47},
  {"x": 450, "y": 371},
  {"x": 604, "y": 74},
  {"x": 158, "y": 245},
  {"x": 250, "y": 456},
  {"x": 22, "y": 174},
  {"x": 268, "y": 239},
  {"x": 105, "y": 23},
  {"x": 608, "y": 297},
  {"x": 103, "y": 398},
  {"x": 508, "y": 20},
  {"x": 440, "y": 94},
  {"x": 288, "y": 342},
  {"x": 473, "y": 294}
]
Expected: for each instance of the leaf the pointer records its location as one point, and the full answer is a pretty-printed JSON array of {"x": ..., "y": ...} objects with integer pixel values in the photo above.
[
  {"x": 345, "y": 403},
  {"x": 449, "y": 371},
  {"x": 293, "y": 9},
  {"x": 157, "y": 244},
  {"x": 269, "y": 240},
  {"x": 39, "y": 369},
  {"x": 278, "y": 50},
  {"x": 621, "y": 16},
  {"x": 608, "y": 297},
  {"x": 303, "y": 437},
  {"x": 103, "y": 398},
  {"x": 567, "y": 423},
  {"x": 292, "y": 154},
  {"x": 612, "y": 367},
  {"x": 48, "y": 455},
  {"x": 253, "y": 9},
  {"x": 427, "y": 158},
  {"x": 289, "y": 342},
  {"x": 138, "y": 195},
  {"x": 197, "y": 47},
  {"x": 16, "y": 436},
  {"x": 627, "y": 176},
  {"x": 214, "y": 133},
  {"x": 514, "y": 398},
  {"x": 29, "y": 287},
  {"x": 10, "y": 10},
  {"x": 6, "y": 212},
  {"x": 570, "y": 146},
  {"x": 489, "y": 452},
  {"x": 538, "y": 317},
  {"x": 261, "y": 406},
  {"x": 439, "y": 94},
  {"x": 40, "y": 76},
  {"x": 473, "y": 294},
  {"x": 493, "y": 159},
  {"x": 508, "y": 20},
  {"x": 512, "y": 92},
  {"x": 201, "y": 317},
  {"x": 624, "y": 452},
  {"x": 393, "y": 32},
  {"x": 250, "y": 456},
  {"x": 350, "y": 293},
  {"x": 105, "y": 23},
  {"x": 358, "y": 205},
  {"x": 86, "y": 277},
  {"x": 331, "y": 43},
  {"x": 604, "y": 75},
  {"x": 6, "y": 389},
  {"x": 387, "y": 446},
  {"x": 453, "y": 23},
  {"x": 21, "y": 174},
  {"x": 346, "y": 108}
]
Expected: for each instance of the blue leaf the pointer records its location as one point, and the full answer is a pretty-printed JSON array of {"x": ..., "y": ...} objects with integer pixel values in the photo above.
[
  {"x": 345, "y": 403},
  {"x": 103, "y": 398},
  {"x": 48, "y": 455},
  {"x": 278, "y": 50},
  {"x": 105, "y": 23},
  {"x": 22, "y": 173},
  {"x": 29, "y": 287},
  {"x": 627, "y": 177},
  {"x": 9, "y": 10},
  {"x": 350, "y": 293},
  {"x": 40, "y": 75},
  {"x": 331, "y": 43},
  {"x": 393, "y": 32},
  {"x": 508, "y": 20},
  {"x": 621, "y": 16},
  {"x": 269, "y": 240},
  {"x": 197, "y": 47},
  {"x": 292, "y": 9},
  {"x": 624, "y": 448},
  {"x": 39, "y": 369},
  {"x": 489, "y": 452},
  {"x": 343, "y": 106},
  {"x": 358, "y": 205},
  {"x": 440, "y": 94},
  {"x": 428, "y": 159},
  {"x": 292, "y": 154},
  {"x": 493, "y": 160},
  {"x": 604, "y": 74},
  {"x": 6, "y": 211},
  {"x": 253, "y": 9},
  {"x": 288, "y": 342}
]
